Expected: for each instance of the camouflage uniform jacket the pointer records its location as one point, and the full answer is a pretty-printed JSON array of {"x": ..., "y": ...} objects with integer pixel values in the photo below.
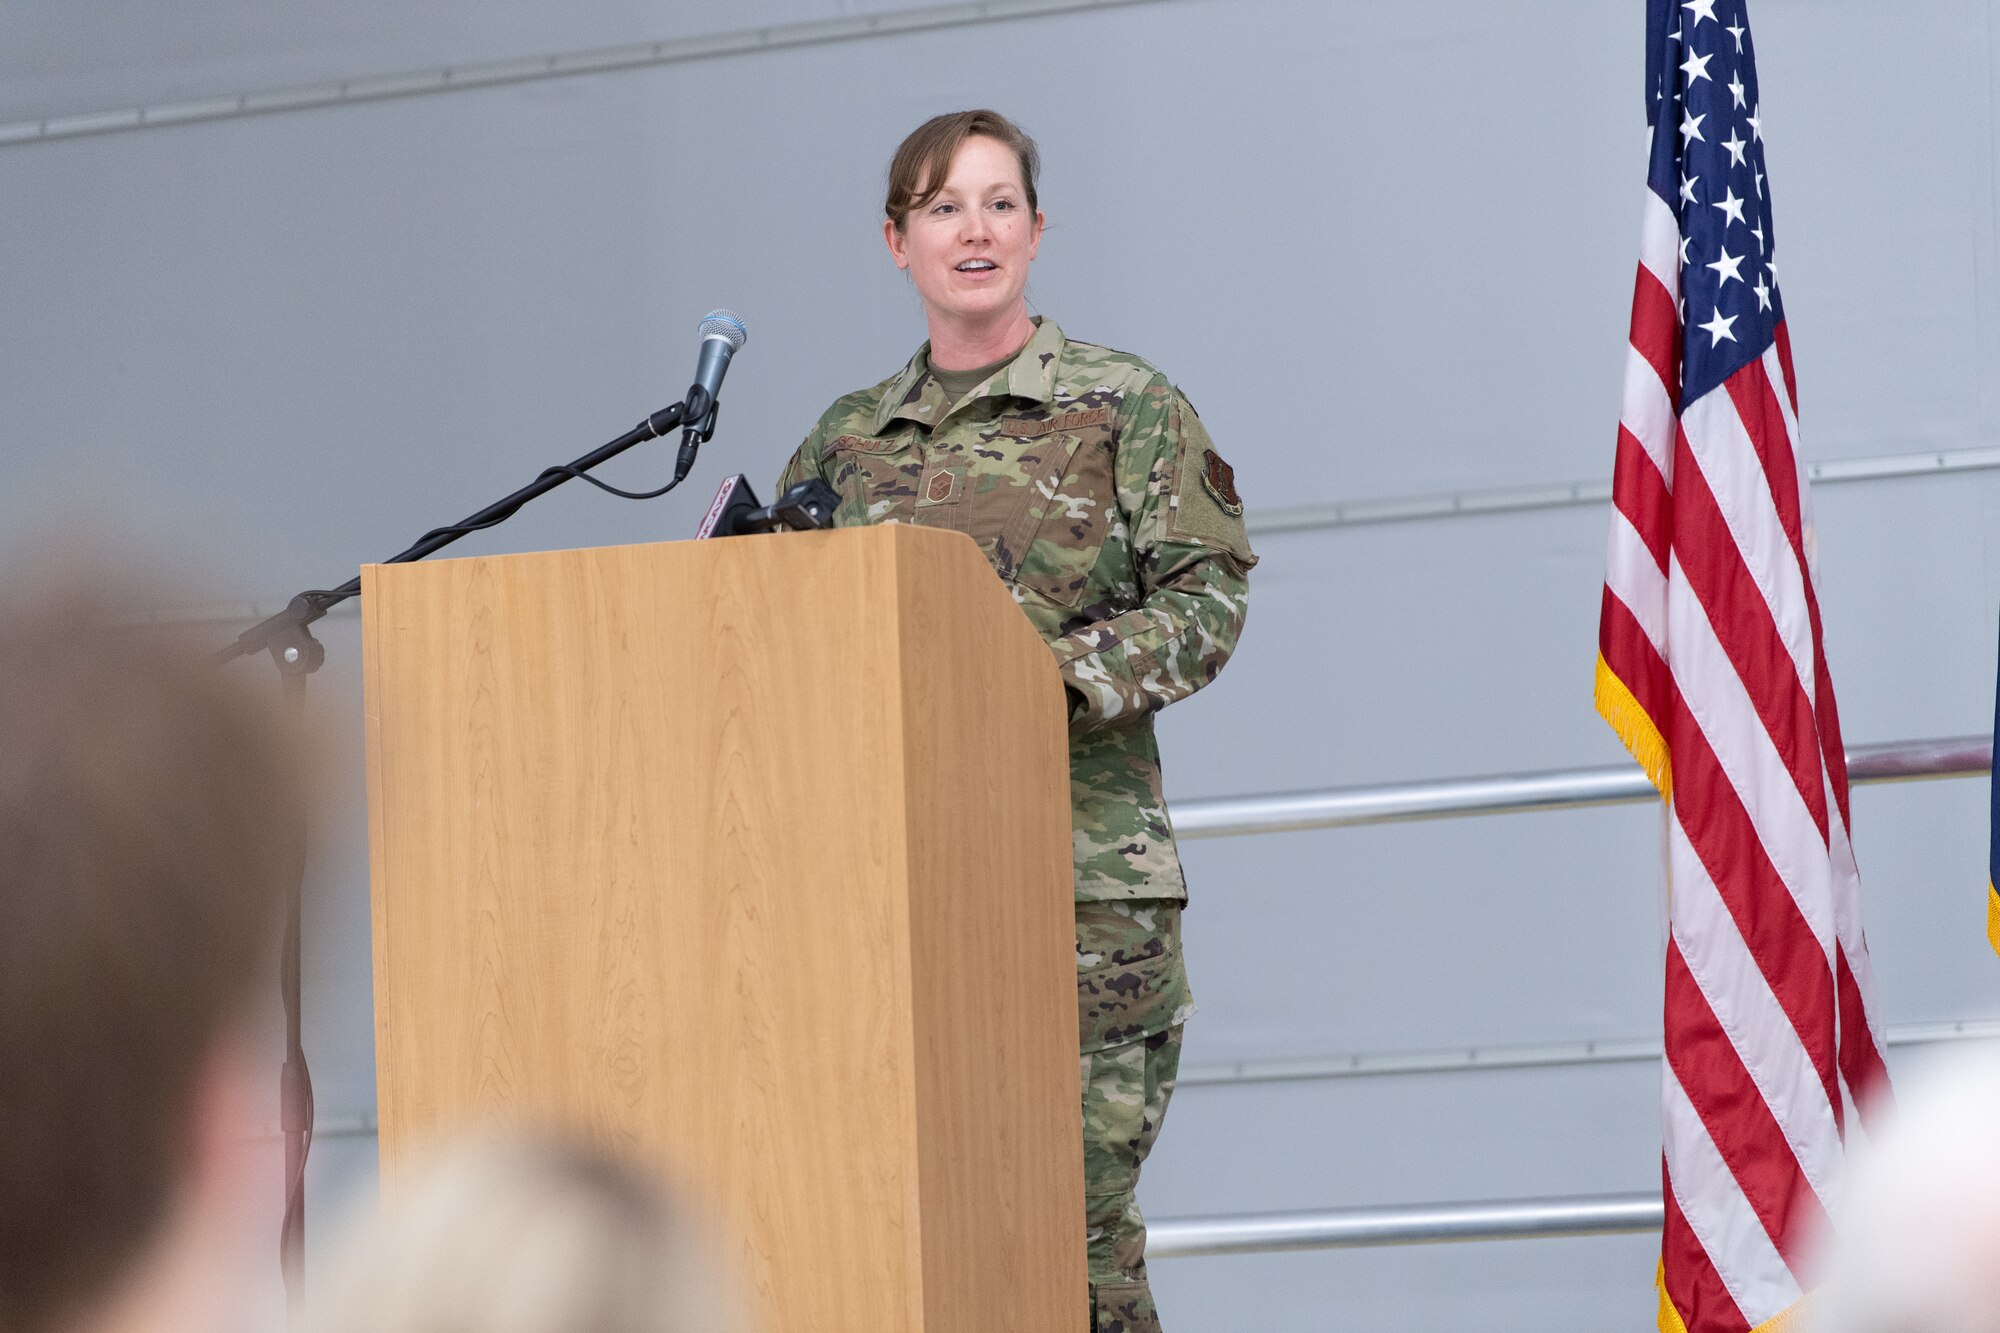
[{"x": 1091, "y": 486}]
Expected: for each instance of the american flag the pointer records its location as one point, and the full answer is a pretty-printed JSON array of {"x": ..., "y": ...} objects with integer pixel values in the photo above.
[
  {"x": 1711, "y": 669},
  {"x": 1993, "y": 845}
]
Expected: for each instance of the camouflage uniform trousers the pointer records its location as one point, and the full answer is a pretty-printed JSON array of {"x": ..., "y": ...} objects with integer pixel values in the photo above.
[{"x": 1132, "y": 999}]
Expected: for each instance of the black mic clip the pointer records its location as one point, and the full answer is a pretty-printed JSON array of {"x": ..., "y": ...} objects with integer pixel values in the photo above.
[
  {"x": 698, "y": 415},
  {"x": 698, "y": 412}
]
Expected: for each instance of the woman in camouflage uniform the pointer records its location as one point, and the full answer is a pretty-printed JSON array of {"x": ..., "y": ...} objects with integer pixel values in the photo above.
[{"x": 1088, "y": 481}]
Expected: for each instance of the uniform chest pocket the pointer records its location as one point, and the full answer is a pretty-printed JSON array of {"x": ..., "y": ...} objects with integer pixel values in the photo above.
[
  {"x": 1053, "y": 541},
  {"x": 877, "y": 478}
]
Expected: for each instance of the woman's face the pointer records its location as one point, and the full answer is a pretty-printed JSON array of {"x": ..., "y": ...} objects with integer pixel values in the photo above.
[{"x": 968, "y": 250}]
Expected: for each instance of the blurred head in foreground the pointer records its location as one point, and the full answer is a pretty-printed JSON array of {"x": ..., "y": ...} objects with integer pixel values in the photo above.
[
  {"x": 522, "y": 1235},
  {"x": 1918, "y": 1249},
  {"x": 146, "y": 812}
]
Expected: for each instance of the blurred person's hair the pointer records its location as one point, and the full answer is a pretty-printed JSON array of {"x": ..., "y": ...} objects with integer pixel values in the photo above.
[
  {"x": 146, "y": 809},
  {"x": 523, "y": 1234}
]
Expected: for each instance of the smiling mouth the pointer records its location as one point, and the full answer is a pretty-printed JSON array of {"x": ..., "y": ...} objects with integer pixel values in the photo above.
[{"x": 978, "y": 266}]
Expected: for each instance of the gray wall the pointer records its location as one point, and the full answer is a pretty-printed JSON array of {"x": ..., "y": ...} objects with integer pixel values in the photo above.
[{"x": 1388, "y": 250}]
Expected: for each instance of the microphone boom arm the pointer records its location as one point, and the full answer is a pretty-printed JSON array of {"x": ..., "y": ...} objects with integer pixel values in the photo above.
[{"x": 292, "y": 645}]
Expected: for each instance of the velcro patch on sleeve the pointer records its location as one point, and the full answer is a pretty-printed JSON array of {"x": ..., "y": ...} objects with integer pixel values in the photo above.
[{"x": 1207, "y": 511}]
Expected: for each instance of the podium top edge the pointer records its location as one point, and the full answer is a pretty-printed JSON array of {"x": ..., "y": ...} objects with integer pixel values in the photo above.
[{"x": 880, "y": 533}]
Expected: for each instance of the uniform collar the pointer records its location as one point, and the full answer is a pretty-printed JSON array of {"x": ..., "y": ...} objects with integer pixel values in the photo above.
[{"x": 916, "y": 396}]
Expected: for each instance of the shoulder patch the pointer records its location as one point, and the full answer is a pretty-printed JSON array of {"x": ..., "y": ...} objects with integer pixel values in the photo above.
[{"x": 1220, "y": 479}]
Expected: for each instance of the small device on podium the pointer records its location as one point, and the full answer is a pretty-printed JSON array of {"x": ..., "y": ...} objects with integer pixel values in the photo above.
[{"x": 806, "y": 507}]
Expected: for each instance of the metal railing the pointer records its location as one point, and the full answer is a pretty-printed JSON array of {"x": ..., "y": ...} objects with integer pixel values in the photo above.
[
  {"x": 1330, "y": 514},
  {"x": 1515, "y": 793},
  {"x": 1529, "y": 1055},
  {"x": 1413, "y": 1224},
  {"x": 1504, "y": 1219}
]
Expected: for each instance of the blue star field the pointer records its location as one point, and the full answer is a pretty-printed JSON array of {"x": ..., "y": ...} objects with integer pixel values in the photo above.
[{"x": 1708, "y": 165}]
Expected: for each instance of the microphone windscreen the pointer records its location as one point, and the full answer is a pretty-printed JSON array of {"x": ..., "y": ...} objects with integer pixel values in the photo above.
[{"x": 727, "y": 325}]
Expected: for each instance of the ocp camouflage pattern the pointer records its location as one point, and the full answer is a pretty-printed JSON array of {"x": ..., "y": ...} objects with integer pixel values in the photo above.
[
  {"x": 1085, "y": 478},
  {"x": 1132, "y": 1000},
  {"x": 1130, "y": 981}
]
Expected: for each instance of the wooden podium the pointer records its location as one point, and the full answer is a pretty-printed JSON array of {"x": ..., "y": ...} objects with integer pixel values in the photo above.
[{"x": 753, "y": 856}]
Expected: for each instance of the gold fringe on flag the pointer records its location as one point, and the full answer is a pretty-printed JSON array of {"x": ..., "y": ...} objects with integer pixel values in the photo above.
[
  {"x": 1670, "y": 1319},
  {"x": 1993, "y": 917},
  {"x": 1641, "y": 736}
]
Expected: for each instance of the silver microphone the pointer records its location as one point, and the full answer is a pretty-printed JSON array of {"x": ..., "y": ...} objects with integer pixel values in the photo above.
[{"x": 722, "y": 333}]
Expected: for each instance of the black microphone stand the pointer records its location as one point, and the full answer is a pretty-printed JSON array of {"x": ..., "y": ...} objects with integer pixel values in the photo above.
[{"x": 288, "y": 638}]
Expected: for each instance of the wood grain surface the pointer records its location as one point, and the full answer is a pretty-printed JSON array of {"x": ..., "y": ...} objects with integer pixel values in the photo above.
[{"x": 752, "y": 856}]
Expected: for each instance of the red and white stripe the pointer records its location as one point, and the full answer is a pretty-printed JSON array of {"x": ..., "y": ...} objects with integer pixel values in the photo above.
[{"x": 1712, "y": 668}]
